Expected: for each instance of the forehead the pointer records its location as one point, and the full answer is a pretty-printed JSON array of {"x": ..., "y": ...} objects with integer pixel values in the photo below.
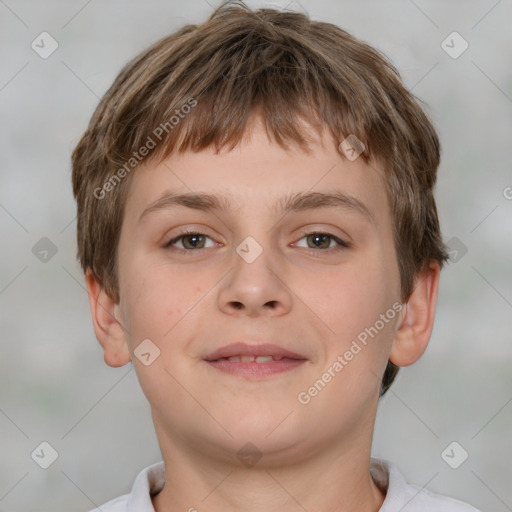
[{"x": 260, "y": 175}]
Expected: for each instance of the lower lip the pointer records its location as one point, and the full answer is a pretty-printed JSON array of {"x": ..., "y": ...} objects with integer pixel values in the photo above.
[{"x": 254, "y": 369}]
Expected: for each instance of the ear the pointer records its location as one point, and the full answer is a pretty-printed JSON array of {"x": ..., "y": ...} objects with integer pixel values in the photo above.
[
  {"x": 109, "y": 329},
  {"x": 417, "y": 320}
]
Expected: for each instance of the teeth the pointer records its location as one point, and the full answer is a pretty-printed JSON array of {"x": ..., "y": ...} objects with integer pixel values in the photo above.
[
  {"x": 264, "y": 359},
  {"x": 251, "y": 359}
]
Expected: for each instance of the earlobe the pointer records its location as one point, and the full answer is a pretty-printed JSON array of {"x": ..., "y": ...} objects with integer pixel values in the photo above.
[
  {"x": 107, "y": 322},
  {"x": 417, "y": 320}
]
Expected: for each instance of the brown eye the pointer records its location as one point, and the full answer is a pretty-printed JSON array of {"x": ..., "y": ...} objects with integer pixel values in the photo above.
[
  {"x": 318, "y": 240},
  {"x": 195, "y": 241},
  {"x": 190, "y": 241}
]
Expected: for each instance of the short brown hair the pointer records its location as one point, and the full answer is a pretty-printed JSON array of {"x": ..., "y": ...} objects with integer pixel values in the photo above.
[{"x": 285, "y": 67}]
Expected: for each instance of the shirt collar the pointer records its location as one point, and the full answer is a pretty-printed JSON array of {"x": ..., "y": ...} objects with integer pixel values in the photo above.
[{"x": 149, "y": 481}]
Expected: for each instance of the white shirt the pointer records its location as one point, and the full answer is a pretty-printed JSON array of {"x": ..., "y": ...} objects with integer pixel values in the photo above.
[{"x": 400, "y": 496}]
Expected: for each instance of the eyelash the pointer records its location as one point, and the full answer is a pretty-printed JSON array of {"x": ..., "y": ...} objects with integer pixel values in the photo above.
[{"x": 342, "y": 244}]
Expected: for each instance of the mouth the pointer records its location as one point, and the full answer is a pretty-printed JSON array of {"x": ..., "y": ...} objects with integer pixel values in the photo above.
[{"x": 254, "y": 361}]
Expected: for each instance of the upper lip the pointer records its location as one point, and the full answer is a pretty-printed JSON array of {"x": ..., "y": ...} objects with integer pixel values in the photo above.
[{"x": 259, "y": 349}]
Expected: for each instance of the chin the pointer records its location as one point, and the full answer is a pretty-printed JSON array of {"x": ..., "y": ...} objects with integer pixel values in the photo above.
[{"x": 268, "y": 433}]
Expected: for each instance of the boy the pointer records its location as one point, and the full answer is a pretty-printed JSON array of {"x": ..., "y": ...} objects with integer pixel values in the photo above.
[{"x": 259, "y": 236}]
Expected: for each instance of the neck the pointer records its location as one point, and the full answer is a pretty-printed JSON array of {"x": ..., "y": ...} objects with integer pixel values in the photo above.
[{"x": 337, "y": 479}]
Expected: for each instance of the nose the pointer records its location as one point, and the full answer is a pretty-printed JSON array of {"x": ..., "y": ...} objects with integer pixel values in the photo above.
[{"x": 256, "y": 287}]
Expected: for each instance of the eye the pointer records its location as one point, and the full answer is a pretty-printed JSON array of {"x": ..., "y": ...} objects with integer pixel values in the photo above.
[
  {"x": 190, "y": 240},
  {"x": 321, "y": 240}
]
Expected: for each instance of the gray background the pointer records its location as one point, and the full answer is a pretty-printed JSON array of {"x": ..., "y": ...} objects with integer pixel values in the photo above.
[{"x": 54, "y": 384}]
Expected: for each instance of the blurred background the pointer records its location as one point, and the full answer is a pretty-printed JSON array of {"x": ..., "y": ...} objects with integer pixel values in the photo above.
[{"x": 55, "y": 387}]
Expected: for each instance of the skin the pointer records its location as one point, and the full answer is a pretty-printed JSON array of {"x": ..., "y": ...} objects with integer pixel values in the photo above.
[{"x": 313, "y": 301}]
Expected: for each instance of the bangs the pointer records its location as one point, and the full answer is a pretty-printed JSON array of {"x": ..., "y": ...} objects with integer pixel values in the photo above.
[{"x": 294, "y": 86}]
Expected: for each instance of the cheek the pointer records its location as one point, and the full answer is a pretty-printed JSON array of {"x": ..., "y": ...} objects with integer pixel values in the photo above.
[
  {"x": 155, "y": 299},
  {"x": 359, "y": 311},
  {"x": 353, "y": 297}
]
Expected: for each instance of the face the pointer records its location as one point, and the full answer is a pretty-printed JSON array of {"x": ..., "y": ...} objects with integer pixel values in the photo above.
[{"x": 317, "y": 282}]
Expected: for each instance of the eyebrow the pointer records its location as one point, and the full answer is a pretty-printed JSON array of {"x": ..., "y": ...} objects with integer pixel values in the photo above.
[{"x": 300, "y": 201}]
